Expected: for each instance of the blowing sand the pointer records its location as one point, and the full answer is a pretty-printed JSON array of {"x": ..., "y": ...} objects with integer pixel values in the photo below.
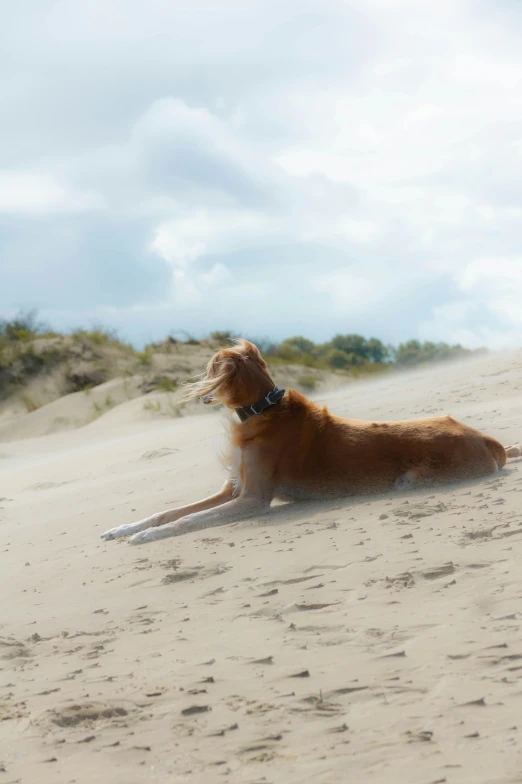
[{"x": 366, "y": 640}]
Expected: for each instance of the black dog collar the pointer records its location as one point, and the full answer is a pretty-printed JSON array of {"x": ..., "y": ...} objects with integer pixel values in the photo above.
[{"x": 271, "y": 399}]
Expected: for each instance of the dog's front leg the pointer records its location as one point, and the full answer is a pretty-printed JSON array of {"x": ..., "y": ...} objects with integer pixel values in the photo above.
[
  {"x": 230, "y": 512},
  {"x": 170, "y": 515}
]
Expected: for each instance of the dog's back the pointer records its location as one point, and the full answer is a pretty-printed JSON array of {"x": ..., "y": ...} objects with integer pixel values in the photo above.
[
  {"x": 313, "y": 453},
  {"x": 289, "y": 447}
]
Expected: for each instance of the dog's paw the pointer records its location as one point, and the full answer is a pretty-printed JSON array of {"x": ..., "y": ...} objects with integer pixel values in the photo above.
[
  {"x": 130, "y": 528},
  {"x": 149, "y": 535},
  {"x": 119, "y": 531}
]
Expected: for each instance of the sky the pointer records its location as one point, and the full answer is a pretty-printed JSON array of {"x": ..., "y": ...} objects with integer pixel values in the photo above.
[{"x": 271, "y": 168}]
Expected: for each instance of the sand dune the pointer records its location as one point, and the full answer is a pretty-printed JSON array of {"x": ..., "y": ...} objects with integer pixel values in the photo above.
[
  {"x": 367, "y": 640},
  {"x": 70, "y": 411},
  {"x": 129, "y": 398}
]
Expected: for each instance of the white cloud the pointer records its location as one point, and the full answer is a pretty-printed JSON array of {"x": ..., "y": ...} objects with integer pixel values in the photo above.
[
  {"x": 350, "y": 292},
  {"x": 489, "y": 288},
  {"x": 218, "y": 275},
  {"x": 502, "y": 275},
  {"x": 183, "y": 240},
  {"x": 372, "y": 166},
  {"x": 179, "y": 242},
  {"x": 34, "y": 192},
  {"x": 184, "y": 290}
]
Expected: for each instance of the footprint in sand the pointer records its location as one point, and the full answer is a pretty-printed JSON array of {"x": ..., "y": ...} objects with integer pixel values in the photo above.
[
  {"x": 292, "y": 580},
  {"x": 12, "y": 649},
  {"x": 87, "y": 714},
  {"x": 201, "y": 572},
  {"x": 179, "y": 577},
  {"x": 419, "y": 736},
  {"x": 418, "y": 511},
  {"x": 321, "y": 706},
  {"x": 438, "y": 571},
  {"x": 403, "y": 580},
  {"x": 154, "y": 454},
  {"x": 49, "y": 485}
]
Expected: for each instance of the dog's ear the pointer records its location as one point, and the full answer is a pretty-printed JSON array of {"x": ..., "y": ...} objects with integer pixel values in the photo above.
[
  {"x": 232, "y": 371},
  {"x": 224, "y": 365},
  {"x": 221, "y": 369},
  {"x": 250, "y": 351}
]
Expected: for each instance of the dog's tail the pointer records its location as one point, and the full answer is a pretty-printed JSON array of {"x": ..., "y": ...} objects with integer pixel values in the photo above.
[
  {"x": 502, "y": 453},
  {"x": 513, "y": 451}
]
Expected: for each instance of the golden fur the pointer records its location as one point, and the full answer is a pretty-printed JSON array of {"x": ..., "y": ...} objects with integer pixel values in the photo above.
[{"x": 297, "y": 449}]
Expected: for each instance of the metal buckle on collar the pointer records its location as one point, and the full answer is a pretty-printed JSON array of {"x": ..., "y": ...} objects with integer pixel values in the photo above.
[
  {"x": 268, "y": 400},
  {"x": 273, "y": 397}
]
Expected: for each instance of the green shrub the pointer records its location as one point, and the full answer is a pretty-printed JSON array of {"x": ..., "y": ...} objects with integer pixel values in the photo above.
[
  {"x": 288, "y": 353},
  {"x": 21, "y": 328},
  {"x": 308, "y": 381},
  {"x": 145, "y": 357},
  {"x": 299, "y": 344},
  {"x": 101, "y": 336},
  {"x": 413, "y": 352},
  {"x": 30, "y": 403},
  {"x": 225, "y": 338},
  {"x": 152, "y": 405},
  {"x": 166, "y": 384},
  {"x": 337, "y": 359}
]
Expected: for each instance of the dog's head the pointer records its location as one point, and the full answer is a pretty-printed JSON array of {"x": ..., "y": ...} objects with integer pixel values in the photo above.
[{"x": 236, "y": 376}]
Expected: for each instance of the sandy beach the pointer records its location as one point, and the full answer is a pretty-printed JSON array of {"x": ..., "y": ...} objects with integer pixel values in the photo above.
[{"x": 363, "y": 640}]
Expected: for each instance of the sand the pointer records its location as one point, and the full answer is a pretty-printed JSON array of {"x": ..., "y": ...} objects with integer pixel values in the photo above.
[{"x": 367, "y": 640}]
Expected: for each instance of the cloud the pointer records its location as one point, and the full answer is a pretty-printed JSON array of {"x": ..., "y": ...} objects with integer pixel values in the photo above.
[
  {"x": 218, "y": 275},
  {"x": 306, "y": 166},
  {"x": 33, "y": 192},
  {"x": 481, "y": 275},
  {"x": 177, "y": 146},
  {"x": 487, "y": 311},
  {"x": 183, "y": 240}
]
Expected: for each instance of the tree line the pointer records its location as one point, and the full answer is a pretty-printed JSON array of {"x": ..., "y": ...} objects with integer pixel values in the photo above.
[{"x": 353, "y": 351}]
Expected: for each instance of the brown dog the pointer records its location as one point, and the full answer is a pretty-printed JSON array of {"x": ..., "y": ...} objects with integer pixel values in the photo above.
[{"x": 284, "y": 446}]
